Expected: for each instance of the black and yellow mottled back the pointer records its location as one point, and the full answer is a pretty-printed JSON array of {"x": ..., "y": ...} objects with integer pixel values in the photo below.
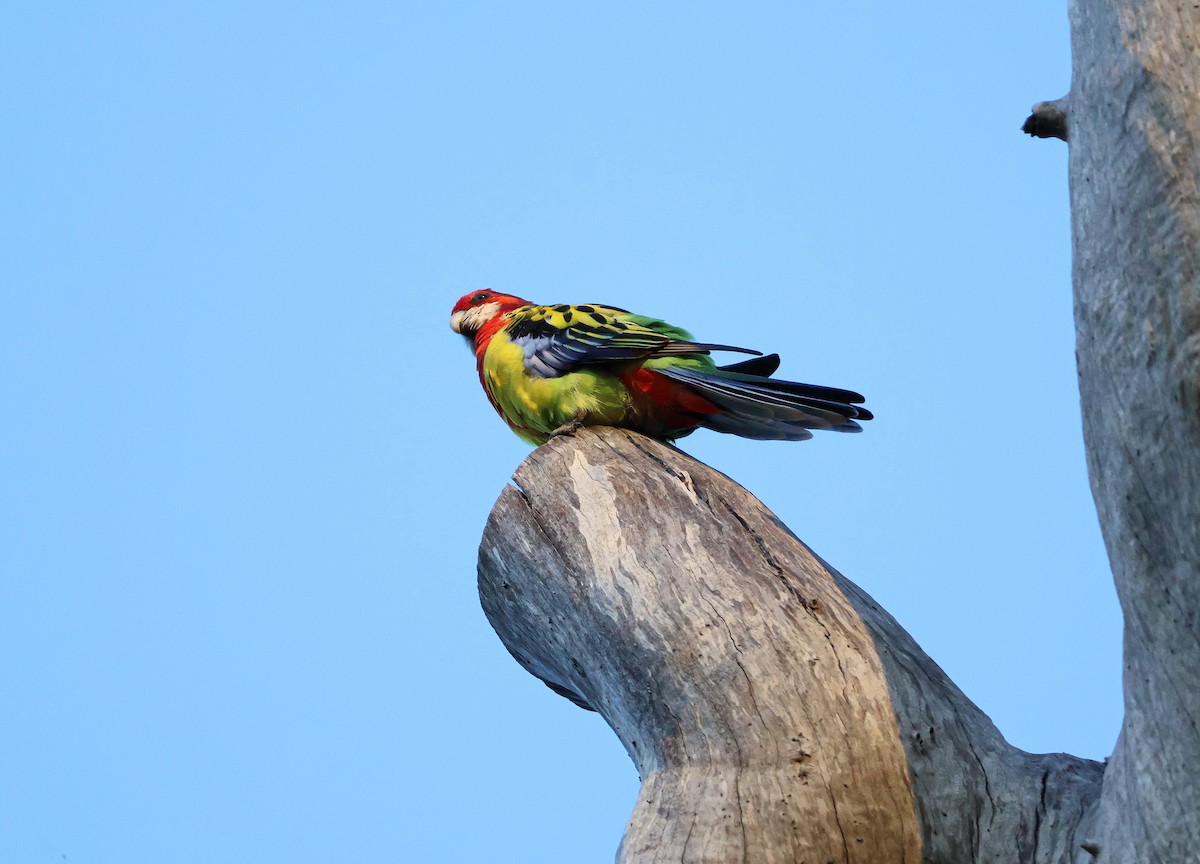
[{"x": 559, "y": 339}]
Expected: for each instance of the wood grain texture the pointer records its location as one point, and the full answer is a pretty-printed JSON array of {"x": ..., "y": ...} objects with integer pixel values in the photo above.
[
  {"x": 1135, "y": 204},
  {"x": 774, "y": 712}
]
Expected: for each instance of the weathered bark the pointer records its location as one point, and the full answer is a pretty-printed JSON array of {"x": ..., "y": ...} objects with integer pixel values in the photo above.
[
  {"x": 1135, "y": 213},
  {"x": 775, "y": 713}
]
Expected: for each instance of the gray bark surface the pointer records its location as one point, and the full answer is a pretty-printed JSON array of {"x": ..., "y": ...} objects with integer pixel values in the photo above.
[
  {"x": 774, "y": 712},
  {"x": 1135, "y": 211}
]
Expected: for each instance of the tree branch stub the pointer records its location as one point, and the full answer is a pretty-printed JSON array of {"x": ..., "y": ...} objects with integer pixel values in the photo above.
[{"x": 1048, "y": 120}]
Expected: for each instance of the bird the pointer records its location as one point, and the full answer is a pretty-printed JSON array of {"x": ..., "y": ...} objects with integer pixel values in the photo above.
[{"x": 549, "y": 370}]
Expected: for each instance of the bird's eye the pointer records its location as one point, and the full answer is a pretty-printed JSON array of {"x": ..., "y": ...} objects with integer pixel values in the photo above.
[{"x": 481, "y": 296}]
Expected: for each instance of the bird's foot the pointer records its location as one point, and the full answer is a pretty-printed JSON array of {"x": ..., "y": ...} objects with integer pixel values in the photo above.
[{"x": 569, "y": 428}]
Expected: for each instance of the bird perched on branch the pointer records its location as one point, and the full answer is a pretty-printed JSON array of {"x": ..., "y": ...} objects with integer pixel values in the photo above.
[{"x": 551, "y": 369}]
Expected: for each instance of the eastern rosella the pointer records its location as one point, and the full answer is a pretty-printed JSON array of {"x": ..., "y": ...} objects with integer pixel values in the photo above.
[{"x": 549, "y": 369}]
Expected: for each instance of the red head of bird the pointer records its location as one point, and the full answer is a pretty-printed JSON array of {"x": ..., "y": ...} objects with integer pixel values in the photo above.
[{"x": 474, "y": 311}]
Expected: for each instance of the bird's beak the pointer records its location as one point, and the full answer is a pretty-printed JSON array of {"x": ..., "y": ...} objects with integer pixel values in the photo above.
[{"x": 456, "y": 320}]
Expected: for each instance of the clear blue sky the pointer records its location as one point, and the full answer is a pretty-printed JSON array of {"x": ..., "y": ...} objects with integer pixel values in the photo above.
[{"x": 246, "y": 463}]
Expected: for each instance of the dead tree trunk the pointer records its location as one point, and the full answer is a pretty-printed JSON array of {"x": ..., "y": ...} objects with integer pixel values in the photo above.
[
  {"x": 775, "y": 713},
  {"x": 1134, "y": 121}
]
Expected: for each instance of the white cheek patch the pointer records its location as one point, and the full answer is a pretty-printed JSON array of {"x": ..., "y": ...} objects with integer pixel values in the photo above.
[
  {"x": 467, "y": 321},
  {"x": 480, "y": 315}
]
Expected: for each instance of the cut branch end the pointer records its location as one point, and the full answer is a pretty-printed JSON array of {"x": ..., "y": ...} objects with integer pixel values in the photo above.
[{"x": 1048, "y": 120}]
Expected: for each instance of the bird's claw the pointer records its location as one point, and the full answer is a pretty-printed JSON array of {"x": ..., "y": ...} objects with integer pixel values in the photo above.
[{"x": 569, "y": 428}]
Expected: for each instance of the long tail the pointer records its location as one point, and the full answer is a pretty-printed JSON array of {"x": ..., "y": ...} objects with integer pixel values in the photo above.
[{"x": 755, "y": 406}]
